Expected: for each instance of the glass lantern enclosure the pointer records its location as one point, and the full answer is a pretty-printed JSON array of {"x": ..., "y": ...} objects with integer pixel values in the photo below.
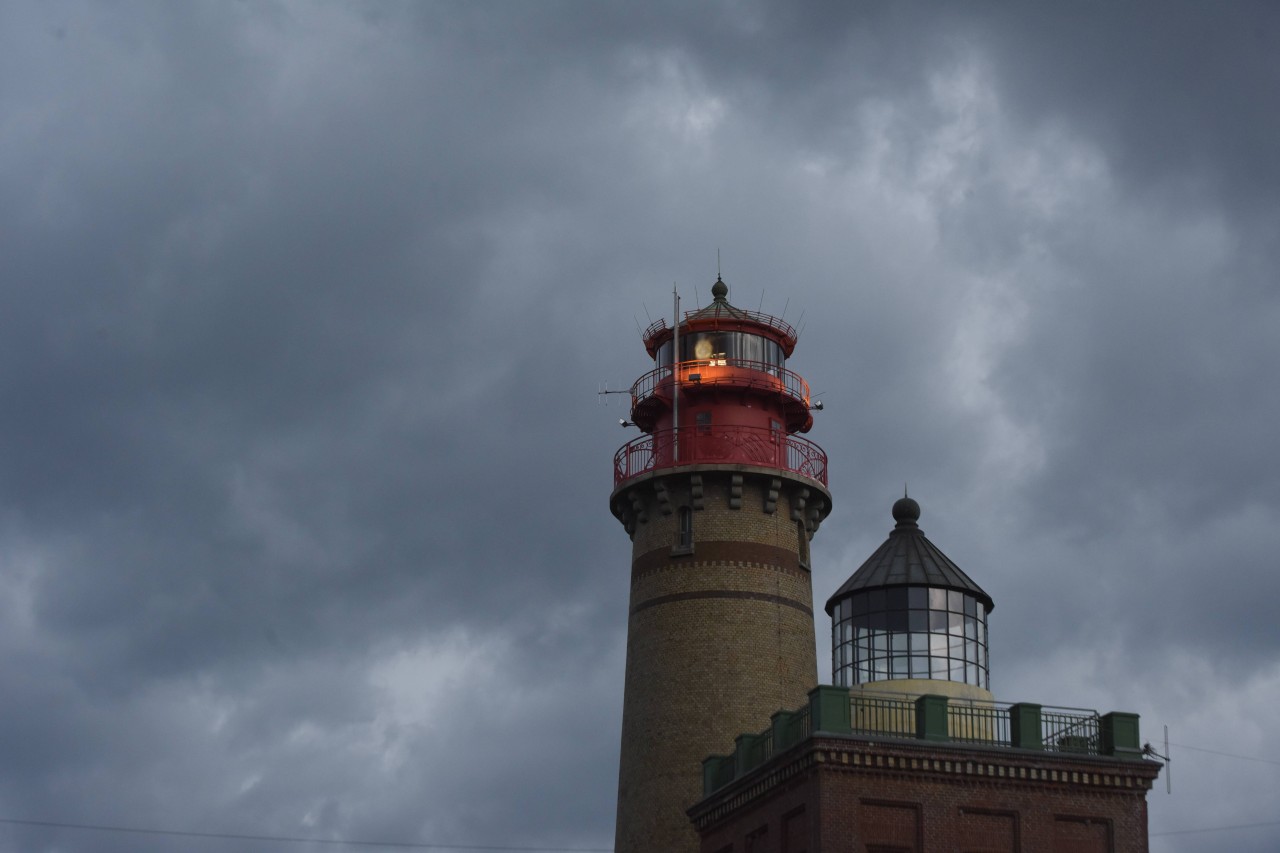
[
  {"x": 909, "y": 632},
  {"x": 721, "y": 347}
]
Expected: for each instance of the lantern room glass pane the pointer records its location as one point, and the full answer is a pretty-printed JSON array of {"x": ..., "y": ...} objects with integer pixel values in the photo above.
[{"x": 895, "y": 598}]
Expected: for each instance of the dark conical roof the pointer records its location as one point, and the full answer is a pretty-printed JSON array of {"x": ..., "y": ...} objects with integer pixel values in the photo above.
[
  {"x": 908, "y": 558},
  {"x": 720, "y": 307}
]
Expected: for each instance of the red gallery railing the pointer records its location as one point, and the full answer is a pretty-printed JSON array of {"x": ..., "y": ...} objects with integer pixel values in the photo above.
[
  {"x": 660, "y": 325},
  {"x": 736, "y": 372},
  {"x": 728, "y": 444}
]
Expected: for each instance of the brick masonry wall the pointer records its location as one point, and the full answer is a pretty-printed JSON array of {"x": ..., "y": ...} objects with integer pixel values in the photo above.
[
  {"x": 862, "y": 796},
  {"x": 719, "y": 636}
]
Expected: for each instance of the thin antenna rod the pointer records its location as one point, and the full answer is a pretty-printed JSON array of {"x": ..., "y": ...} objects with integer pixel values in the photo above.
[
  {"x": 760, "y": 310},
  {"x": 638, "y": 330},
  {"x": 1148, "y": 749},
  {"x": 717, "y": 262},
  {"x": 647, "y": 315},
  {"x": 784, "y": 308},
  {"x": 675, "y": 373}
]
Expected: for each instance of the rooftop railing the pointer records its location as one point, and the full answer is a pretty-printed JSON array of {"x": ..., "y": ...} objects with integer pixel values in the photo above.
[
  {"x": 940, "y": 719},
  {"x": 770, "y": 448},
  {"x": 660, "y": 325},
  {"x": 720, "y": 372}
]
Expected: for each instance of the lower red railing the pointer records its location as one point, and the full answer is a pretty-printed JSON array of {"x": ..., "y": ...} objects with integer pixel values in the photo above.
[{"x": 748, "y": 445}]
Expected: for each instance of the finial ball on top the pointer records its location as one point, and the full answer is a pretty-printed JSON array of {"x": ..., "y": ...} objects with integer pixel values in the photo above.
[{"x": 906, "y": 511}]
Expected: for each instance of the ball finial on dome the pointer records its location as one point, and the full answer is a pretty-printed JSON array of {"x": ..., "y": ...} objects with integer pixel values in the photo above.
[
  {"x": 906, "y": 511},
  {"x": 719, "y": 290}
]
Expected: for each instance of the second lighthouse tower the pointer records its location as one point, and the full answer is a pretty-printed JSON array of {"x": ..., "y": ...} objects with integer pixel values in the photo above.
[{"x": 720, "y": 497}]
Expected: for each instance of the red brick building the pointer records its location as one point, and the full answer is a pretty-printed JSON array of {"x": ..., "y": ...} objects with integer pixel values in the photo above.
[
  {"x": 911, "y": 752},
  {"x": 841, "y": 788}
]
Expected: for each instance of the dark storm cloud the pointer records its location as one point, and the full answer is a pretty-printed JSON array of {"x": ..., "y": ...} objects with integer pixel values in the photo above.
[
  {"x": 303, "y": 522},
  {"x": 1176, "y": 94}
]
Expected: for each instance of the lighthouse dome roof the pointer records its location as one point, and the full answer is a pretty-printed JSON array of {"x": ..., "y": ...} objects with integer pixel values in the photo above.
[{"x": 908, "y": 558}]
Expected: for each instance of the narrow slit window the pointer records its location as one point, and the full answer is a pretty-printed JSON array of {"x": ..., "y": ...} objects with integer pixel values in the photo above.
[{"x": 684, "y": 530}]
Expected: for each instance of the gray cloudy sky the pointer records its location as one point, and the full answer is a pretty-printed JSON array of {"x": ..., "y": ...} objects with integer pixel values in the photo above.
[{"x": 304, "y": 308}]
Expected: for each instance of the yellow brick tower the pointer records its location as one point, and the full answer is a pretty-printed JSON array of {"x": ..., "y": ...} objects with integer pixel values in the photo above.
[{"x": 720, "y": 497}]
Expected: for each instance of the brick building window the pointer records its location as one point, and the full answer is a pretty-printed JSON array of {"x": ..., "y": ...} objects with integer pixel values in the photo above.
[{"x": 795, "y": 831}]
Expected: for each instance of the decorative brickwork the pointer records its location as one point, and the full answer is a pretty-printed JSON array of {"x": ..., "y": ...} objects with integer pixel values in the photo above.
[
  {"x": 866, "y": 794},
  {"x": 720, "y": 634}
]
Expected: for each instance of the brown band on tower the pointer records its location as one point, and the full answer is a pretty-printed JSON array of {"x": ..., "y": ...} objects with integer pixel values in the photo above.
[
  {"x": 721, "y": 593},
  {"x": 772, "y": 556}
]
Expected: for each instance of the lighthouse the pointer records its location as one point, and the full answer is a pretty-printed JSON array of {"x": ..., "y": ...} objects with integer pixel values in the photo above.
[
  {"x": 910, "y": 621},
  {"x": 720, "y": 496}
]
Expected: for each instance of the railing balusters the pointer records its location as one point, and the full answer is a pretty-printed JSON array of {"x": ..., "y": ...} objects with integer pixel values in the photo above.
[
  {"x": 729, "y": 371},
  {"x": 750, "y": 445},
  {"x": 893, "y": 715}
]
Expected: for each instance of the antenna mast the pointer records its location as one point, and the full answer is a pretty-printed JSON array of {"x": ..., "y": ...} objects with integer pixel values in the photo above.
[{"x": 675, "y": 372}]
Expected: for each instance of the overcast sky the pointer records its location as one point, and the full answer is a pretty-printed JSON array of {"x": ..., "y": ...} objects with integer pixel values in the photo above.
[{"x": 304, "y": 309}]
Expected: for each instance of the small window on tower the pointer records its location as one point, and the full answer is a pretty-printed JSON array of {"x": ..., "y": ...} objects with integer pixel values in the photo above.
[
  {"x": 684, "y": 531},
  {"x": 703, "y": 420},
  {"x": 802, "y": 544}
]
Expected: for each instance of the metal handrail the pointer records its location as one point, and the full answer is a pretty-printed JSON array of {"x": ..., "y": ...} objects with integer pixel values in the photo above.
[
  {"x": 775, "y": 323},
  {"x": 1064, "y": 732},
  {"x": 978, "y": 723},
  {"x": 892, "y": 715},
  {"x": 699, "y": 445},
  {"x": 871, "y": 714},
  {"x": 722, "y": 371}
]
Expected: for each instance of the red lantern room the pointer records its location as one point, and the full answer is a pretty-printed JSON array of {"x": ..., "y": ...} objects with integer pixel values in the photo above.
[{"x": 720, "y": 392}]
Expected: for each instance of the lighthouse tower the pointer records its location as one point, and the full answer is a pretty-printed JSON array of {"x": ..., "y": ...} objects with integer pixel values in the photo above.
[{"x": 720, "y": 497}]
